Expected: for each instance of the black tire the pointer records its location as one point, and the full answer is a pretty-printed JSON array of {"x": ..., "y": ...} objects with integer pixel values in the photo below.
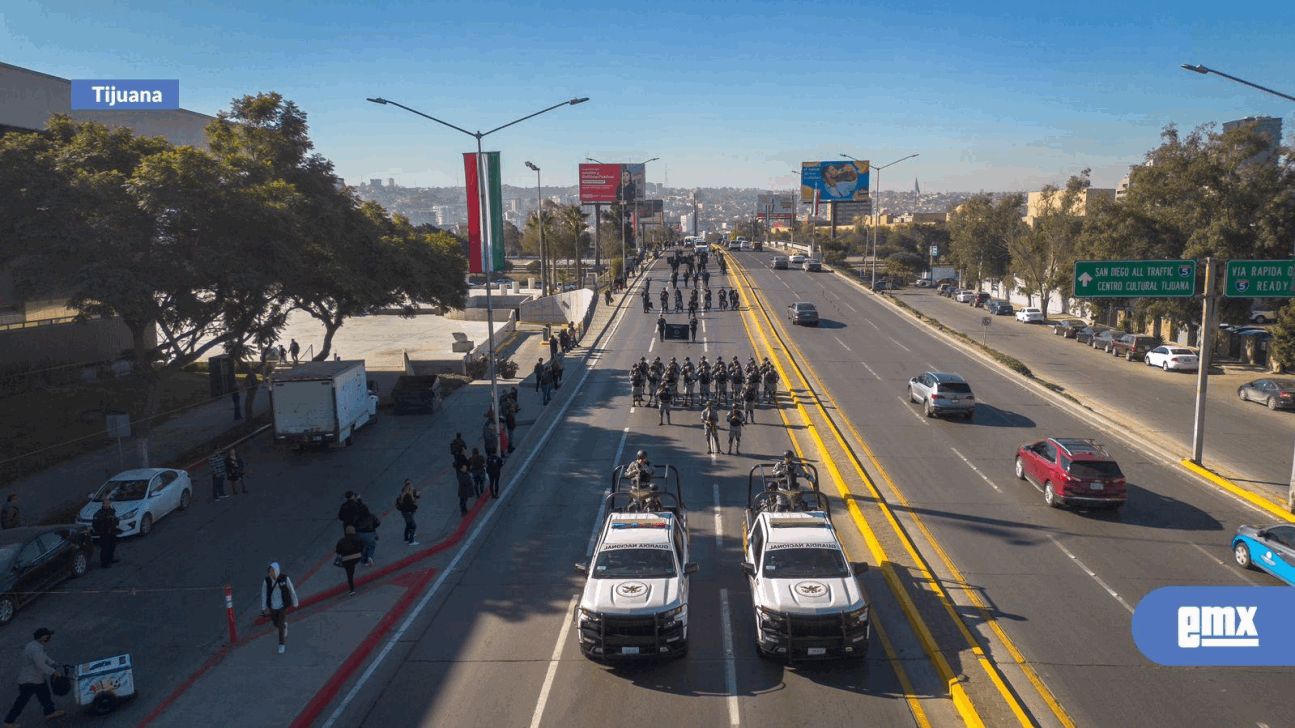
[
  {"x": 104, "y": 703},
  {"x": 1261, "y": 320},
  {"x": 1272, "y": 403},
  {"x": 1241, "y": 394},
  {"x": 1050, "y": 496},
  {"x": 146, "y": 524},
  {"x": 1020, "y": 468},
  {"x": 186, "y": 499},
  {"x": 1165, "y": 366},
  {"x": 80, "y": 563},
  {"x": 8, "y": 608}
]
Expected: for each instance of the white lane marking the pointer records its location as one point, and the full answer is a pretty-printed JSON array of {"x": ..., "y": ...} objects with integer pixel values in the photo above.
[
  {"x": 730, "y": 666},
  {"x": 870, "y": 323},
  {"x": 973, "y": 467},
  {"x": 719, "y": 522},
  {"x": 651, "y": 344},
  {"x": 553, "y": 662},
  {"x": 1091, "y": 573},
  {"x": 1240, "y": 574},
  {"x": 842, "y": 343},
  {"x": 843, "y": 303},
  {"x": 870, "y": 371},
  {"x": 908, "y": 406},
  {"x": 473, "y": 535},
  {"x": 905, "y": 348}
]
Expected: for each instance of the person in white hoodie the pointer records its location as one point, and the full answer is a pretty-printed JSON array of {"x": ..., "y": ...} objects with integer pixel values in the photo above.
[{"x": 277, "y": 597}]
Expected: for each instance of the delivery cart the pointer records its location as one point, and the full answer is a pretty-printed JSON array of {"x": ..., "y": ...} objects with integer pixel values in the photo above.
[{"x": 103, "y": 685}]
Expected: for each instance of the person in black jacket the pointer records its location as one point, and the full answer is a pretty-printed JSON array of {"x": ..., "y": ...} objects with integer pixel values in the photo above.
[
  {"x": 366, "y": 527},
  {"x": 349, "y": 548},
  {"x": 407, "y": 504},
  {"x": 494, "y": 466},
  {"x": 349, "y": 511},
  {"x": 105, "y": 527},
  {"x": 235, "y": 469}
]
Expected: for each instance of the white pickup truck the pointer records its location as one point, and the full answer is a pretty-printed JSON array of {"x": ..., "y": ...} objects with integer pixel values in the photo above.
[
  {"x": 635, "y": 601},
  {"x": 807, "y": 601}
]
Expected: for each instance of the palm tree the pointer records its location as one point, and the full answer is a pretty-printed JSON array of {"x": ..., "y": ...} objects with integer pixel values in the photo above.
[{"x": 571, "y": 220}]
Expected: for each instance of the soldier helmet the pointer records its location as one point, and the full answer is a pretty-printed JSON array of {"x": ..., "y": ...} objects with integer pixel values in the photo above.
[
  {"x": 642, "y": 454},
  {"x": 789, "y": 455}
]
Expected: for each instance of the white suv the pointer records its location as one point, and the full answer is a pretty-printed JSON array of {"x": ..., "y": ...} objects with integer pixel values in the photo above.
[{"x": 635, "y": 601}]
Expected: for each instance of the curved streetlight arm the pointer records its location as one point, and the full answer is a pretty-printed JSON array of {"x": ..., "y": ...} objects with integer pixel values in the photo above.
[
  {"x": 572, "y": 102},
  {"x": 425, "y": 116},
  {"x": 1206, "y": 71}
]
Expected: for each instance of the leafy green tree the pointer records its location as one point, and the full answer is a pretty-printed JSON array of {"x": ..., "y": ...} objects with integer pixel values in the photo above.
[
  {"x": 977, "y": 236},
  {"x": 1043, "y": 257}
]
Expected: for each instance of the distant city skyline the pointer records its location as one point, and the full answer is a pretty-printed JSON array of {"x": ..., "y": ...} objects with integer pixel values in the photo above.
[{"x": 726, "y": 94}]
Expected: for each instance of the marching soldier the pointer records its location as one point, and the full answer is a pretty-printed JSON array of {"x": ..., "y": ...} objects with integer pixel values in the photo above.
[{"x": 735, "y": 422}]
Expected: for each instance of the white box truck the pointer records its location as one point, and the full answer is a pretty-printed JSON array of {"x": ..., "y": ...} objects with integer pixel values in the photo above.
[{"x": 321, "y": 403}]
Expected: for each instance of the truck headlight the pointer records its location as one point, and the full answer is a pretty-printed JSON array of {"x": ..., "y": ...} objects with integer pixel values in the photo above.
[
  {"x": 858, "y": 616},
  {"x": 587, "y": 615},
  {"x": 770, "y": 616},
  {"x": 673, "y": 613}
]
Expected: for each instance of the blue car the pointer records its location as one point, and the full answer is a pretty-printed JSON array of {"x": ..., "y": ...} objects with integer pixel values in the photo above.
[{"x": 1270, "y": 548}]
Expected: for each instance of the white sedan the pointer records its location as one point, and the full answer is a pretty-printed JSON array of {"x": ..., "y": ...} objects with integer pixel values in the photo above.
[
  {"x": 796, "y": 259},
  {"x": 965, "y": 296},
  {"x": 141, "y": 498},
  {"x": 1029, "y": 316},
  {"x": 1173, "y": 358}
]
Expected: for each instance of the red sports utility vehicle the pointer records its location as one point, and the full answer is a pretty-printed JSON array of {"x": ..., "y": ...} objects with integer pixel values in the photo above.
[{"x": 1072, "y": 471}]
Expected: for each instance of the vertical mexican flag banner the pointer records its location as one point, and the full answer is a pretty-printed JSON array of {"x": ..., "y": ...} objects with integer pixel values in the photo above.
[{"x": 487, "y": 246}]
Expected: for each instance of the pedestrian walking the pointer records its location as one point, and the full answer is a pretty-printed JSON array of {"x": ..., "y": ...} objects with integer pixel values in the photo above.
[
  {"x": 407, "y": 504},
  {"x": 277, "y": 597},
  {"x": 295, "y": 349},
  {"x": 349, "y": 511},
  {"x": 553, "y": 345},
  {"x": 10, "y": 516},
  {"x": 558, "y": 368},
  {"x": 510, "y": 424},
  {"x": 477, "y": 469},
  {"x": 735, "y": 423},
  {"x": 217, "y": 464},
  {"x": 494, "y": 466},
  {"x": 35, "y": 669},
  {"x": 348, "y": 550},
  {"x": 692, "y": 327},
  {"x": 465, "y": 489},
  {"x": 104, "y": 526},
  {"x": 283, "y": 354},
  {"x": 546, "y": 384},
  {"x": 366, "y": 527},
  {"x": 235, "y": 469},
  {"x": 539, "y": 367},
  {"x": 607, "y": 296}
]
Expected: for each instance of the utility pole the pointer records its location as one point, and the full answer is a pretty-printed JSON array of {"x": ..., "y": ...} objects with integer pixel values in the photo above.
[{"x": 1203, "y": 371}]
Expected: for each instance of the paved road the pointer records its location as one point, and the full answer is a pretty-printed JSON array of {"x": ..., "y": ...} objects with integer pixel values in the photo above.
[
  {"x": 1031, "y": 562},
  {"x": 1242, "y": 439},
  {"x": 496, "y": 648}
]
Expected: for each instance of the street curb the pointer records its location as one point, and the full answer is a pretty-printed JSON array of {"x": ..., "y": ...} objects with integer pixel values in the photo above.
[
  {"x": 1236, "y": 490},
  {"x": 352, "y": 663}
]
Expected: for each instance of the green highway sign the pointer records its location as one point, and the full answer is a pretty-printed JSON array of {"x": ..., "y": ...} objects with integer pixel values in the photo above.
[
  {"x": 1259, "y": 279},
  {"x": 1135, "y": 278}
]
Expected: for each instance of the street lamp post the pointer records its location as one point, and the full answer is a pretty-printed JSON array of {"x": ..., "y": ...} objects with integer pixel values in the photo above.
[
  {"x": 876, "y": 211},
  {"x": 1196, "y": 450},
  {"x": 487, "y": 253},
  {"x": 539, "y": 222}
]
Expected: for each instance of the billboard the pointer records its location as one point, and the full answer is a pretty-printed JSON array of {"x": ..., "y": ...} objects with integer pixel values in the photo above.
[
  {"x": 651, "y": 212},
  {"x": 843, "y": 213},
  {"x": 834, "y": 181},
  {"x": 611, "y": 183},
  {"x": 778, "y": 207}
]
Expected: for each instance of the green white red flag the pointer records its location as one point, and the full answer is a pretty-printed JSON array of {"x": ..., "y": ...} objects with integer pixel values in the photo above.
[{"x": 490, "y": 245}]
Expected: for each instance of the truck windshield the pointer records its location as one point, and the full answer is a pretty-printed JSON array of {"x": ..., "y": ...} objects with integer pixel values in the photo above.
[
  {"x": 640, "y": 563},
  {"x": 801, "y": 563}
]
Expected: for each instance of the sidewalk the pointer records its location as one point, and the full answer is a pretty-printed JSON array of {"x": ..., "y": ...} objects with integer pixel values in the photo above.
[
  {"x": 68, "y": 483},
  {"x": 332, "y": 635}
]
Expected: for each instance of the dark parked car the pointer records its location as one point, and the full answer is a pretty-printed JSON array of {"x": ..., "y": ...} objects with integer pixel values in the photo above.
[
  {"x": 1086, "y": 334},
  {"x": 980, "y": 300},
  {"x": 1104, "y": 339},
  {"x": 1068, "y": 328},
  {"x": 1275, "y": 393},
  {"x": 36, "y": 558},
  {"x": 945, "y": 289},
  {"x": 1000, "y": 308},
  {"x": 1134, "y": 347}
]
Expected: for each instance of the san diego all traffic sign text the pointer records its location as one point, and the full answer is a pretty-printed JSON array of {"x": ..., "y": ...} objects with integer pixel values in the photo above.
[{"x": 1135, "y": 278}]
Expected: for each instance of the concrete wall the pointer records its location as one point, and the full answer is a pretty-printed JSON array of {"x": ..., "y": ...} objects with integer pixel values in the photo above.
[
  {"x": 560, "y": 308},
  {"x": 98, "y": 340},
  {"x": 502, "y": 331}
]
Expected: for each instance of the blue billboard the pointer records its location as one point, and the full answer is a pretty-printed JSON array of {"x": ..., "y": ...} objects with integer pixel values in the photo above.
[{"x": 834, "y": 181}]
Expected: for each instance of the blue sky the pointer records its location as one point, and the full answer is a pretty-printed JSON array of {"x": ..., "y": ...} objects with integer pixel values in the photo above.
[{"x": 992, "y": 95}]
